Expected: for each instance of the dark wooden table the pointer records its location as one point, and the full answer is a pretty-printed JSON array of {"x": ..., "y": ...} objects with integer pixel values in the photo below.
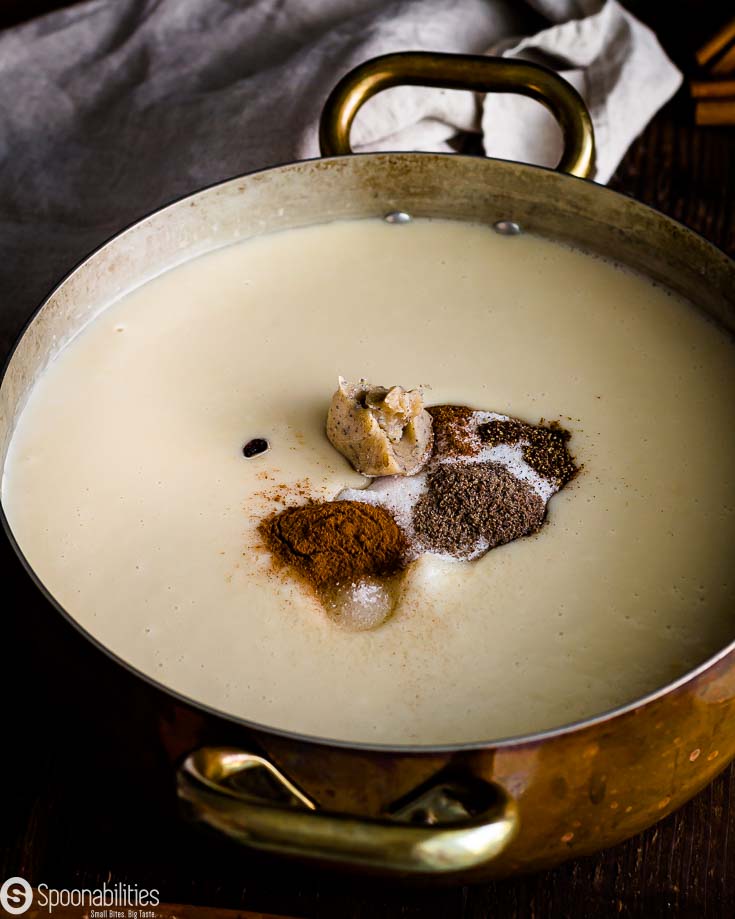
[{"x": 86, "y": 792}]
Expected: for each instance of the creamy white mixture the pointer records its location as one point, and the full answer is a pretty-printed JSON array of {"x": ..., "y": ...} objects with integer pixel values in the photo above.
[{"x": 128, "y": 492}]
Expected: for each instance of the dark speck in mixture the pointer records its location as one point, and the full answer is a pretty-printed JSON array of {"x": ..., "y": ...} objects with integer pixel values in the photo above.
[{"x": 255, "y": 447}]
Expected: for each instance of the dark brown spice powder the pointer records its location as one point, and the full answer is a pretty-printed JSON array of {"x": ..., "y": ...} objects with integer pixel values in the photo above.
[
  {"x": 467, "y": 503},
  {"x": 453, "y": 435},
  {"x": 545, "y": 451}
]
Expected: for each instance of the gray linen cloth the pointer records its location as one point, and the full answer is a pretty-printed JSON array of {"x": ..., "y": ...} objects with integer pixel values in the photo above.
[{"x": 111, "y": 108}]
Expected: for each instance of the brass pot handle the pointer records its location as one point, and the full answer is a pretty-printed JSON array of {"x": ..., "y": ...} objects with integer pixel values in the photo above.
[
  {"x": 461, "y": 71},
  {"x": 212, "y": 782}
]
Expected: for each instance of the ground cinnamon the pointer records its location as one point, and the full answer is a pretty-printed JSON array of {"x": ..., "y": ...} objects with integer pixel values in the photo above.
[{"x": 337, "y": 542}]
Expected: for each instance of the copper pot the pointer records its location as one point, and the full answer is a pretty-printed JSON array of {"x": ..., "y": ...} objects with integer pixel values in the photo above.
[{"x": 473, "y": 810}]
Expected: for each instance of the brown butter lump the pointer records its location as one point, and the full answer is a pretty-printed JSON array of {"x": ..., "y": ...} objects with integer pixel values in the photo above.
[{"x": 380, "y": 431}]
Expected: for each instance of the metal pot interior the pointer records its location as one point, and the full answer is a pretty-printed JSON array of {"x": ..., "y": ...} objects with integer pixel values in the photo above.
[{"x": 425, "y": 185}]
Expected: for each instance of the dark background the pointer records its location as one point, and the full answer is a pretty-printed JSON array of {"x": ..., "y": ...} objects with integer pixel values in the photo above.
[{"x": 87, "y": 792}]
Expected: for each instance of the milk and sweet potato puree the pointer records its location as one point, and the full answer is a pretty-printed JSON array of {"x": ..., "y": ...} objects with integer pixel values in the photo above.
[{"x": 128, "y": 491}]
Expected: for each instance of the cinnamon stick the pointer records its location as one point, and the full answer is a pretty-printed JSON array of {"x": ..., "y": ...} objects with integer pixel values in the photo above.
[
  {"x": 715, "y": 112},
  {"x": 717, "y": 44},
  {"x": 726, "y": 63},
  {"x": 713, "y": 89}
]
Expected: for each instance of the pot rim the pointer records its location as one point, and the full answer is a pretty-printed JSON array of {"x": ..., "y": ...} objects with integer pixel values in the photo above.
[{"x": 310, "y": 739}]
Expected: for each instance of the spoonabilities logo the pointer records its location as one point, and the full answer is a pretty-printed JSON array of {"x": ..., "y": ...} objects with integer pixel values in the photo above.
[{"x": 16, "y": 895}]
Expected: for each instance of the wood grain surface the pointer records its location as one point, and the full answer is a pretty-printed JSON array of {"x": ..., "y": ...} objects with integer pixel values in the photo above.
[{"x": 87, "y": 795}]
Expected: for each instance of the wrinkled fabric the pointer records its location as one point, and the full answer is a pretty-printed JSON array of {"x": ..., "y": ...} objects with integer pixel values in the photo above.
[{"x": 111, "y": 108}]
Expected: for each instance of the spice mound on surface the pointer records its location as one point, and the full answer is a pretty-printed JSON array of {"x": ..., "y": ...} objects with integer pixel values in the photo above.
[
  {"x": 453, "y": 430},
  {"x": 347, "y": 551},
  {"x": 488, "y": 481},
  {"x": 380, "y": 431},
  {"x": 470, "y": 508},
  {"x": 545, "y": 446},
  {"x": 336, "y": 542}
]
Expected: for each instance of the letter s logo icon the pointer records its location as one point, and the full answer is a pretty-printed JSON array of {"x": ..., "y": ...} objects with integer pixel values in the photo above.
[{"x": 16, "y": 895}]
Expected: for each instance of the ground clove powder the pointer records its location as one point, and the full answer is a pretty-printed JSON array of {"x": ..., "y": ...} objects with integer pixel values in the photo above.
[
  {"x": 545, "y": 448},
  {"x": 469, "y": 508}
]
